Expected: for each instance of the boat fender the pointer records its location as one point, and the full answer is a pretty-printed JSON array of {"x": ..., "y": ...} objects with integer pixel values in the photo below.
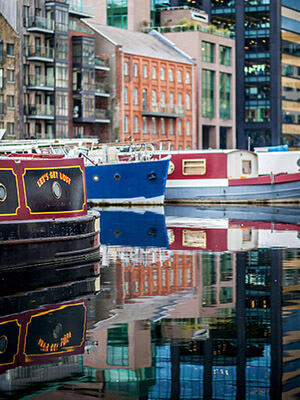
[{"x": 152, "y": 176}]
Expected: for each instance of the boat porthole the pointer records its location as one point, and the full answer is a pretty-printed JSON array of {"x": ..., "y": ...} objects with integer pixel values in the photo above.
[
  {"x": 56, "y": 190},
  {"x": 96, "y": 178},
  {"x": 57, "y": 331},
  {"x": 117, "y": 233},
  {"x": 3, "y": 192},
  {"x": 117, "y": 177},
  {"x": 3, "y": 344},
  {"x": 171, "y": 168},
  {"x": 298, "y": 162}
]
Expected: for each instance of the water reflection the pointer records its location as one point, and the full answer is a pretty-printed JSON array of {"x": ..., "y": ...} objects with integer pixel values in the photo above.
[{"x": 194, "y": 303}]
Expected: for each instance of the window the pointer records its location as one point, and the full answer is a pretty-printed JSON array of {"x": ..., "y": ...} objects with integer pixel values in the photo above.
[
  {"x": 162, "y": 126},
  {"x": 179, "y": 99},
  {"x": 135, "y": 69},
  {"x": 62, "y": 48},
  {"x": 62, "y": 129},
  {"x": 171, "y": 98},
  {"x": 194, "y": 167},
  {"x": 207, "y": 51},
  {"x": 135, "y": 96},
  {"x": 145, "y": 128},
  {"x": 224, "y": 55},
  {"x": 179, "y": 127},
  {"x": 162, "y": 74},
  {"x": 2, "y": 51},
  {"x": 135, "y": 124},
  {"x": 154, "y": 131},
  {"x": 171, "y": 127},
  {"x": 78, "y": 131},
  {"x": 246, "y": 167},
  {"x": 126, "y": 95},
  {"x": 1, "y": 78},
  {"x": 62, "y": 104},
  {"x": 10, "y": 49},
  {"x": 163, "y": 97},
  {"x": 1, "y": 104},
  {"x": 179, "y": 76},
  {"x": 188, "y": 102},
  {"x": 187, "y": 77},
  {"x": 207, "y": 93},
  {"x": 62, "y": 76},
  {"x": 145, "y": 71},
  {"x": 153, "y": 96},
  {"x": 25, "y": 15},
  {"x": 10, "y": 75},
  {"x": 10, "y": 127},
  {"x": 153, "y": 72},
  {"x": 188, "y": 127},
  {"x": 224, "y": 95},
  {"x": 10, "y": 101},
  {"x": 171, "y": 75},
  {"x": 126, "y": 129},
  {"x": 125, "y": 68}
]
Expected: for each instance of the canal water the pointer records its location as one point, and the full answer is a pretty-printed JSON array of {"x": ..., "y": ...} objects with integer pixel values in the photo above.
[{"x": 185, "y": 303}]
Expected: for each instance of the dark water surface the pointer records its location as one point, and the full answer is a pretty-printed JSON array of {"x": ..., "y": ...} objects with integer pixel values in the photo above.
[{"x": 185, "y": 303}]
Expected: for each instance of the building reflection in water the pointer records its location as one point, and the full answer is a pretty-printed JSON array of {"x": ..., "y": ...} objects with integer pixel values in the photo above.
[{"x": 211, "y": 313}]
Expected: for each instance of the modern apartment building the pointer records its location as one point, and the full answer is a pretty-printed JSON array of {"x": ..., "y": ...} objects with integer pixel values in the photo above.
[
  {"x": 152, "y": 86},
  {"x": 61, "y": 81},
  {"x": 267, "y": 66},
  {"x": 9, "y": 80}
]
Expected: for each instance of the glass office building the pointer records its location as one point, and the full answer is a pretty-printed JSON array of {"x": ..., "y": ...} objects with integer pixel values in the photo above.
[{"x": 267, "y": 66}]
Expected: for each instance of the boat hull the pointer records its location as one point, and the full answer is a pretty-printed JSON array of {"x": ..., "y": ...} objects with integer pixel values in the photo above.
[
  {"x": 137, "y": 182},
  {"x": 264, "y": 189},
  {"x": 42, "y": 242}
]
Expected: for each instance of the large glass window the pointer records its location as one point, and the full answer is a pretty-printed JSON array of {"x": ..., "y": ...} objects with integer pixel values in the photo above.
[
  {"x": 1, "y": 78},
  {"x": 62, "y": 104},
  {"x": 207, "y": 93},
  {"x": 76, "y": 52},
  {"x": 117, "y": 13},
  {"x": 224, "y": 55},
  {"x": 62, "y": 48},
  {"x": 88, "y": 52},
  {"x": 224, "y": 95},
  {"x": 207, "y": 51},
  {"x": 88, "y": 79},
  {"x": 62, "y": 19},
  {"x": 88, "y": 106},
  {"x": 62, "y": 75},
  {"x": 62, "y": 129}
]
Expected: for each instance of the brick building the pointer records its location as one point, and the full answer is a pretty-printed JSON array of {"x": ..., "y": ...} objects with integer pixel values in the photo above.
[{"x": 152, "y": 86}]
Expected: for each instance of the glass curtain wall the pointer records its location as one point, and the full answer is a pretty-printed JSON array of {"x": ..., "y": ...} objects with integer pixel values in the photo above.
[{"x": 117, "y": 13}]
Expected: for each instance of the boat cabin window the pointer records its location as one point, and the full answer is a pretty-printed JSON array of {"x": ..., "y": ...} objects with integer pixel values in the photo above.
[
  {"x": 194, "y": 167},
  {"x": 246, "y": 167},
  {"x": 194, "y": 238}
]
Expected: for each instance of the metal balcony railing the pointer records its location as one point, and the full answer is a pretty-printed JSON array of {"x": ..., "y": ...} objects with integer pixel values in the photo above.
[
  {"x": 40, "y": 23},
  {"x": 163, "y": 109},
  {"x": 101, "y": 114},
  {"x": 39, "y": 52},
  {"x": 39, "y": 111},
  {"x": 39, "y": 81},
  {"x": 101, "y": 88}
]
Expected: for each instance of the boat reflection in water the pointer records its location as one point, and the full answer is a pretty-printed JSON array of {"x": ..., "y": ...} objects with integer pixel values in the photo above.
[{"x": 208, "y": 307}]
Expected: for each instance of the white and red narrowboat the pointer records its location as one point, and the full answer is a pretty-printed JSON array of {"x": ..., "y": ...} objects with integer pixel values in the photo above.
[
  {"x": 229, "y": 235},
  {"x": 227, "y": 176},
  {"x": 43, "y": 212}
]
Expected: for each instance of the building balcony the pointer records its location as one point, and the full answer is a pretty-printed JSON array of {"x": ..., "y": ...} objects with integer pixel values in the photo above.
[
  {"x": 102, "y": 63},
  {"x": 102, "y": 116},
  {"x": 187, "y": 28},
  {"x": 101, "y": 89},
  {"x": 39, "y": 111},
  {"x": 78, "y": 9},
  {"x": 39, "y": 53},
  {"x": 164, "y": 110},
  {"x": 40, "y": 24},
  {"x": 39, "y": 82}
]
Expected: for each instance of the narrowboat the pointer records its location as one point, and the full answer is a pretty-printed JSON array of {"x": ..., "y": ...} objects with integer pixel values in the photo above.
[
  {"x": 42, "y": 335},
  {"x": 230, "y": 233},
  {"x": 43, "y": 212},
  {"x": 228, "y": 176}
]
